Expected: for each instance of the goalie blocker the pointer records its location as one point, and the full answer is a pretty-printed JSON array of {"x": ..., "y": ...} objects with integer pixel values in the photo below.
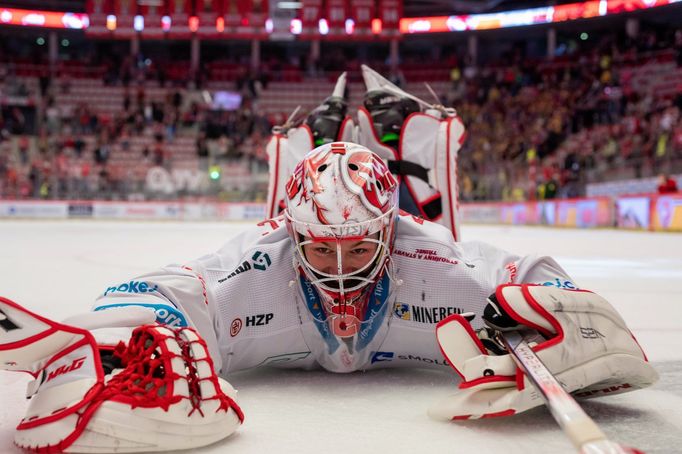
[
  {"x": 582, "y": 340},
  {"x": 167, "y": 395}
]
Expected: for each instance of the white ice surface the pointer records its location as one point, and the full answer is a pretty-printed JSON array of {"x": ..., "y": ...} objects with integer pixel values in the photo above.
[{"x": 56, "y": 268}]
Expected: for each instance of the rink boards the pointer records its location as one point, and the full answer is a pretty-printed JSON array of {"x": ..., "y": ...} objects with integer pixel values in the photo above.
[{"x": 648, "y": 211}]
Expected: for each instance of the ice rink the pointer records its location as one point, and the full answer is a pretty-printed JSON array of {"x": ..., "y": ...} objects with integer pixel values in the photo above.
[{"x": 57, "y": 268}]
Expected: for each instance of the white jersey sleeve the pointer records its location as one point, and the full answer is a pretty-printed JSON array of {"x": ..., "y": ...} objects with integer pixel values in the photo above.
[
  {"x": 180, "y": 294},
  {"x": 177, "y": 294},
  {"x": 530, "y": 269}
]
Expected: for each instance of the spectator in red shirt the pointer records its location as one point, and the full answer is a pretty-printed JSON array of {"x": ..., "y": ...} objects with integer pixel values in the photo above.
[{"x": 667, "y": 185}]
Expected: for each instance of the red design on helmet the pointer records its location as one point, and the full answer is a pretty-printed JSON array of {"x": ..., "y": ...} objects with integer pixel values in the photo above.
[{"x": 368, "y": 176}]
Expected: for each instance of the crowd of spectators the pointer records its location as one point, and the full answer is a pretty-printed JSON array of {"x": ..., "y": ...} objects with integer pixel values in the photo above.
[
  {"x": 66, "y": 152},
  {"x": 539, "y": 130},
  {"x": 536, "y": 130}
]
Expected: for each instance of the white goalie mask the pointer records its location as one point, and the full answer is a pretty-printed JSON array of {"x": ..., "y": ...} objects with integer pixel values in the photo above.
[{"x": 341, "y": 206}]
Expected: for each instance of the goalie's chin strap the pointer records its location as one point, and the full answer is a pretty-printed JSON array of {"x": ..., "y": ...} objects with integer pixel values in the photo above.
[
  {"x": 434, "y": 207},
  {"x": 377, "y": 294}
]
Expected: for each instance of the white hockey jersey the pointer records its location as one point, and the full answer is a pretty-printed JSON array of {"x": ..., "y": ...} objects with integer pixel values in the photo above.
[{"x": 253, "y": 308}]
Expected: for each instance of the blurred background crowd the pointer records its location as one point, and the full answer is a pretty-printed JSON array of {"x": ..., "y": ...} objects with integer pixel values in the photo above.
[{"x": 606, "y": 106}]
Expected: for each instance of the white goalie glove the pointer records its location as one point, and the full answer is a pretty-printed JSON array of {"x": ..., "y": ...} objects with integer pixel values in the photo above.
[
  {"x": 581, "y": 339},
  {"x": 166, "y": 396}
]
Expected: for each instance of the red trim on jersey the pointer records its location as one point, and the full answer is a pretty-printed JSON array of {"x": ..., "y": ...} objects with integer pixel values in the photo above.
[
  {"x": 201, "y": 279},
  {"x": 271, "y": 212}
]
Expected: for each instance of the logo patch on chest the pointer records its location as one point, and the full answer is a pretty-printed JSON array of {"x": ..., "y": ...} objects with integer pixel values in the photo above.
[{"x": 422, "y": 314}]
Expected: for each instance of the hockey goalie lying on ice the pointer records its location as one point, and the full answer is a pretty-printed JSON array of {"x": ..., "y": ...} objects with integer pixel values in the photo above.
[{"x": 342, "y": 276}]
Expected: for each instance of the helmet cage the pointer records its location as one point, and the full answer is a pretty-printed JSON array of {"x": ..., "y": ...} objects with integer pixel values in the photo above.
[{"x": 340, "y": 283}]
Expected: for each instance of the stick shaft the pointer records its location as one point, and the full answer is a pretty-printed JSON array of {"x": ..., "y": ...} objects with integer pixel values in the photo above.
[{"x": 570, "y": 416}]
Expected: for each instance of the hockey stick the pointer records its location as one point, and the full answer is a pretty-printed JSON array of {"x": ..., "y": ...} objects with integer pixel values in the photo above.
[{"x": 586, "y": 436}]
